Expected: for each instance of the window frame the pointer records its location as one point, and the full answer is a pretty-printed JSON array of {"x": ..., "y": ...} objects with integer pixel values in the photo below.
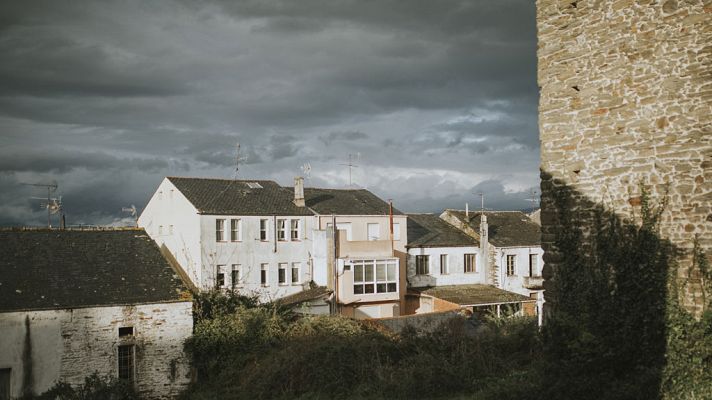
[
  {"x": 466, "y": 258},
  {"x": 420, "y": 267},
  {"x": 236, "y": 270},
  {"x": 396, "y": 231},
  {"x": 126, "y": 363},
  {"x": 511, "y": 266},
  {"x": 296, "y": 266},
  {"x": 282, "y": 230},
  {"x": 368, "y": 231},
  {"x": 295, "y": 232},
  {"x": 264, "y": 230},
  {"x": 533, "y": 267},
  {"x": 444, "y": 266},
  {"x": 374, "y": 282},
  {"x": 264, "y": 275},
  {"x": 220, "y": 276},
  {"x": 282, "y": 274},
  {"x": 235, "y": 229},
  {"x": 220, "y": 230}
]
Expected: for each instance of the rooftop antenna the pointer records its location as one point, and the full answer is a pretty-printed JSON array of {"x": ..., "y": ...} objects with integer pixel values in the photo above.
[
  {"x": 533, "y": 197},
  {"x": 132, "y": 211},
  {"x": 306, "y": 169},
  {"x": 352, "y": 158},
  {"x": 238, "y": 159},
  {"x": 482, "y": 201},
  {"x": 52, "y": 205}
]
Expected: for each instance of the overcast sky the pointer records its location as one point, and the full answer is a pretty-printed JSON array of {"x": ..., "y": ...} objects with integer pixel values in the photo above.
[{"x": 439, "y": 98}]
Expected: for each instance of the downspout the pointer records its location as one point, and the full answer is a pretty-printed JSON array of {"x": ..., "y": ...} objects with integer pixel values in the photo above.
[
  {"x": 390, "y": 223},
  {"x": 274, "y": 232},
  {"x": 336, "y": 264}
]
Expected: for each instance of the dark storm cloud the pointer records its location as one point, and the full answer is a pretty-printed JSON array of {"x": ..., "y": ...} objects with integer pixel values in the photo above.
[{"x": 107, "y": 98}]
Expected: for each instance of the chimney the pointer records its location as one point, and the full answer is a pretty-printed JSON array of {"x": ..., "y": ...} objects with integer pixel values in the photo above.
[
  {"x": 299, "y": 191},
  {"x": 467, "y": 211},
  {"x": 484, "y": 249}
]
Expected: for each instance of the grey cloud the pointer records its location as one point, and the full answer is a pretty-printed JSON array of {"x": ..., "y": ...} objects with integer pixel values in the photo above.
[{"x": 351, "y": 136}]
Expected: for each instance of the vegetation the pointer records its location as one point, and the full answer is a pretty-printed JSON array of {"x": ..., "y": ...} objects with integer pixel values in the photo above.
[{"x": 95, "y": 387}]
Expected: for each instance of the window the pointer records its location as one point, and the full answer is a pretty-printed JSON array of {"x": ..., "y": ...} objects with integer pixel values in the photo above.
[
  {"x": 160, "y": 229},
  {"x": 220, "y": 279},
  {"x": 125, "y": 331},
  {"x": 533, "y": 265},
  {"x": 126, "y": 362},
  {"x": 264, "y": 224},
  {"x": 294, "y": 229},
  {"x": 396, "y": 231},
  {"x": 282, "y": 273},
  {"x": 170, "y": 229},
  {"x": 470, "y": 263},
  {"x": 343, "y": 226},
  {"x": 254, "y": 185},
  {"x": 264, "y": 274},
  {"x": 375, "y": 276},
  {"x": 444, "y": 268},
  {"x": 235, "y": 230},
  {"x": 281, "y": 229},
  {"x": 295, "y": 273},
  {"x": 511, "y": 264},
  {"x": 422, "y": 265},
  {"x": 5, "y": 375},
  {"x": 219, "y": 230},
  {"x": 236, "y": 278},
  {"x": 374, "y": 232}
]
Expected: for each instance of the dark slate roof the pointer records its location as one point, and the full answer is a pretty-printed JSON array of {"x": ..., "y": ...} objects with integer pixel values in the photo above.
[
  {"x": 346, "y": 202},
  {"x": 470, "y": 295},
  {"x": 428, "y": 230},
  {"x": 312, "y": 293},
  {"x": 506, "y": 228},
  {"x": 236, "y": 197},
  {"x": 45, "y": 269}
]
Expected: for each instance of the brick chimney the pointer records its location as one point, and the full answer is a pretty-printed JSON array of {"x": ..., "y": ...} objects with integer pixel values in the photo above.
[{"x": 299, "y": 191}]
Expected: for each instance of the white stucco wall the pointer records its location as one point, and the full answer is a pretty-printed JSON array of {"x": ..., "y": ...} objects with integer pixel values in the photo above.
[
  {"x": 250, "y": 253},
  {"x": 70, "y": 344},
  {"x": 456, "y": 262},
  {"x": 168, "y": 207},
  {"x": 515, "y": 282}
]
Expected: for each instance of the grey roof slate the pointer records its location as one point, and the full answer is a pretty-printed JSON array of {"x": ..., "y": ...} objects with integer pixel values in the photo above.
[
  {"x": 346, "y": 202},
  {"x": 44, "y": 269},
  {"x": 428, "y": 230},
  {"x": 469, "y": 295},
  {"x": 506, "y": 228},
  {"x": 236, "y": 197}
]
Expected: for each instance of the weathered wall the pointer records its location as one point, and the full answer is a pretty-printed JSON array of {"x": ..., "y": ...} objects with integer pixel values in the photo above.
[
  {"x": 69, "y": 345},
  {"x": 456, "y": 264},
  {"x": 626, "y": 97}
]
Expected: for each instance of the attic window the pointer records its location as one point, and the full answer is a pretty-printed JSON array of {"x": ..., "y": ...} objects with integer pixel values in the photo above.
[
  {"x": 254, "y": 185},
  {"x": 125, "y": 331}
]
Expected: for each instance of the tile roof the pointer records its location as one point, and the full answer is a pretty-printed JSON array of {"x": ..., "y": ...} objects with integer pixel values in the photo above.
[
  {"x": 506, "y": 228},
  {"x": 238, "y": 197},
  {"x": 43, "y": 269},
  {"x": 312, "y": 293},
  {"x": 471, "y": 295},
  {"x": 428, "y": 230},
  {"x": 346, "y": 202}
]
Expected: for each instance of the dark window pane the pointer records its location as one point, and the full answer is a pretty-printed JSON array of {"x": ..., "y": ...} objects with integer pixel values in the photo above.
[
  {"x": 381, "y": 288},
  {"x": 358, "y": 289},
  {"x": 368, "y": 288},
  {"x": 391, "y": 287}
]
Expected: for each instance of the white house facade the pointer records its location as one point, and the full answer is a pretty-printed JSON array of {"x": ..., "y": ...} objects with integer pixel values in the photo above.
[{"x": 73, "y": 303}]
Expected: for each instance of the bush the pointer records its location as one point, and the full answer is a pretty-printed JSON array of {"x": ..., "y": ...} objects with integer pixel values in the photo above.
[{"x": 95, "y": 387}]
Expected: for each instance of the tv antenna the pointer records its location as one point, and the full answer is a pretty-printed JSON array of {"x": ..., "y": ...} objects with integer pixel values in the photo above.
[
  {"x": 352, "y": 159},
  {"x": 238, "y": 158},
  {"x": 533, "y": 198},
  {"x": 132, "y": 212},
  {"x": 306, "y": 169},
  {"x": 53, "y": 205}
]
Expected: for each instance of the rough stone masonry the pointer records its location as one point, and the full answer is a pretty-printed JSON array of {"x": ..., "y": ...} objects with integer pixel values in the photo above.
[{"x": 626, "y": 98}]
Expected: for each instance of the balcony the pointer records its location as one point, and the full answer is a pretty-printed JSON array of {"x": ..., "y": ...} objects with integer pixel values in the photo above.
[
  {"x": 533, "y": 282},
  {"x": 364, "y": 248}
]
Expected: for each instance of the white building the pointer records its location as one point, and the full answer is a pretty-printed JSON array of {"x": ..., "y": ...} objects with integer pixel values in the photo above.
[
  {"x": 252, "y": 236},
  {"x": 77, "y": 302},
  {"x": 446, "y": 270}
]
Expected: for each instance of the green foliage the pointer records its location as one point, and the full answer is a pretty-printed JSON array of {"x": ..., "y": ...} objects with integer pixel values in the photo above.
[
  {"x": 95, "y": 387},
  {"x": 213, "y": 303}
]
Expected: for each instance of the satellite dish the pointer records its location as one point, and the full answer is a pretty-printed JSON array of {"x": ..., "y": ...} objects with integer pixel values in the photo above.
[
  {"x": 131, "y": 210},
  {"x": 306, "y": 169}
]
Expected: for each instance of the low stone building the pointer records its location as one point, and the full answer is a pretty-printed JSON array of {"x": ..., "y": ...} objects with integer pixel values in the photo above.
[{"x": 76, "y": 302}]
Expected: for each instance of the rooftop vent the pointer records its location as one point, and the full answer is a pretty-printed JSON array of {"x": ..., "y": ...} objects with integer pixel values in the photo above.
[{"x": 254, "y": 185}]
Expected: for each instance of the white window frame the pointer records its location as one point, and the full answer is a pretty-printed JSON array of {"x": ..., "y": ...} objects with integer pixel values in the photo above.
[
  {"x": 282, "y": 274},
  {"x": 444, "y": 264},
  {"x": 422, "y": 268},
  {"x": 282, "y": 230},
  {"x": 235, "y": 230},
  {"x": 534, "y": 267},
  {"x": 221, "y": 270},
  {"x": 465, "y": 260},
  {"x": 264, "y": 230},
  {"x": 220, "y": 230},
  {"x": 370, "y": 235},
  {"x": 295, "y": 227},
  {"x": 396, "y": 231},
  {"x": 384, "y": 282},
  {"x": 296, "y": 266},
  {"x": 264, "y": 275},
  {"x": 236, "y": 276},
  {"x": 511, "y": 265}
]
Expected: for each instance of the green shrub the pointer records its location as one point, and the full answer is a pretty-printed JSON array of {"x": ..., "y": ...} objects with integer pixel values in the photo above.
[{"x": 95, "y": 387}]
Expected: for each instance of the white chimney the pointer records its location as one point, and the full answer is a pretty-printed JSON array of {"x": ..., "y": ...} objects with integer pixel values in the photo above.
[
  {"x": 467, "y": 210},
  {"x": 484, "y": 249},
  {"x": 299, "y": 191}
]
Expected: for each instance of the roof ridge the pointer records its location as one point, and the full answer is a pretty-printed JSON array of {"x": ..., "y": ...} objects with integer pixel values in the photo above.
[
  {"x": 222, "y": 179},
  {"x": 71, "y": 229}
]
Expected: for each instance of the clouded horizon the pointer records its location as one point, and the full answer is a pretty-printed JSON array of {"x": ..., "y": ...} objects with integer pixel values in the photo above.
[{"x": 439, "y": 100}]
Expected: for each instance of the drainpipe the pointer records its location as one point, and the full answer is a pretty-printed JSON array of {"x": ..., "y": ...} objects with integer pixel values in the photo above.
[
  {"x": 274, "y": 232},
  {"x": 336, "y": 264}
]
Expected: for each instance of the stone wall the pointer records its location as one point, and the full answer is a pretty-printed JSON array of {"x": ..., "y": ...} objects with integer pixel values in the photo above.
[
  {"x": 626, "y": 99},
  {"x": 68, "y": 345}
]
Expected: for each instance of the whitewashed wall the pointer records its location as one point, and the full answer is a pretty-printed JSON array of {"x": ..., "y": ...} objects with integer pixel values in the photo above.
[
  {"x": 456, "y": 261},
  {"x": 71, "y": 344}
]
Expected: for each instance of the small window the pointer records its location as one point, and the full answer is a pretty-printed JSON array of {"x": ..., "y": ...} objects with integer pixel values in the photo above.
[
  {"x": 296, "y": 267},
  {"x": 235, "y": 231},
  {"x": 264, "y": 226},
  {"x": 126, "y": 362},
  {"x": 264, "y": 274},
  {"x": 160, "y": 229},
  {"x": 219, "y": 230},
  {"x": 511, "y": 264},
  {"x": 444, "y": 268},
  {"x": 533, "y": 265},
  {"x": 281, "y": 230},
  {"x": 282, "y": 273},
  {"x": 396, "y": 231},
  {"x": 236, "y": 278},
  {"x": 125, "y": 331},
  {"x": 294, "y": 229},
  {"x": 422, "y": 265},
  {"x": 220, "y": 281},
  {"x": 170, "y": 229},
  {"x": 374, "y": 231},
  {"x": 470, "y": 263},
  {"x": 254, "y": 185}
]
